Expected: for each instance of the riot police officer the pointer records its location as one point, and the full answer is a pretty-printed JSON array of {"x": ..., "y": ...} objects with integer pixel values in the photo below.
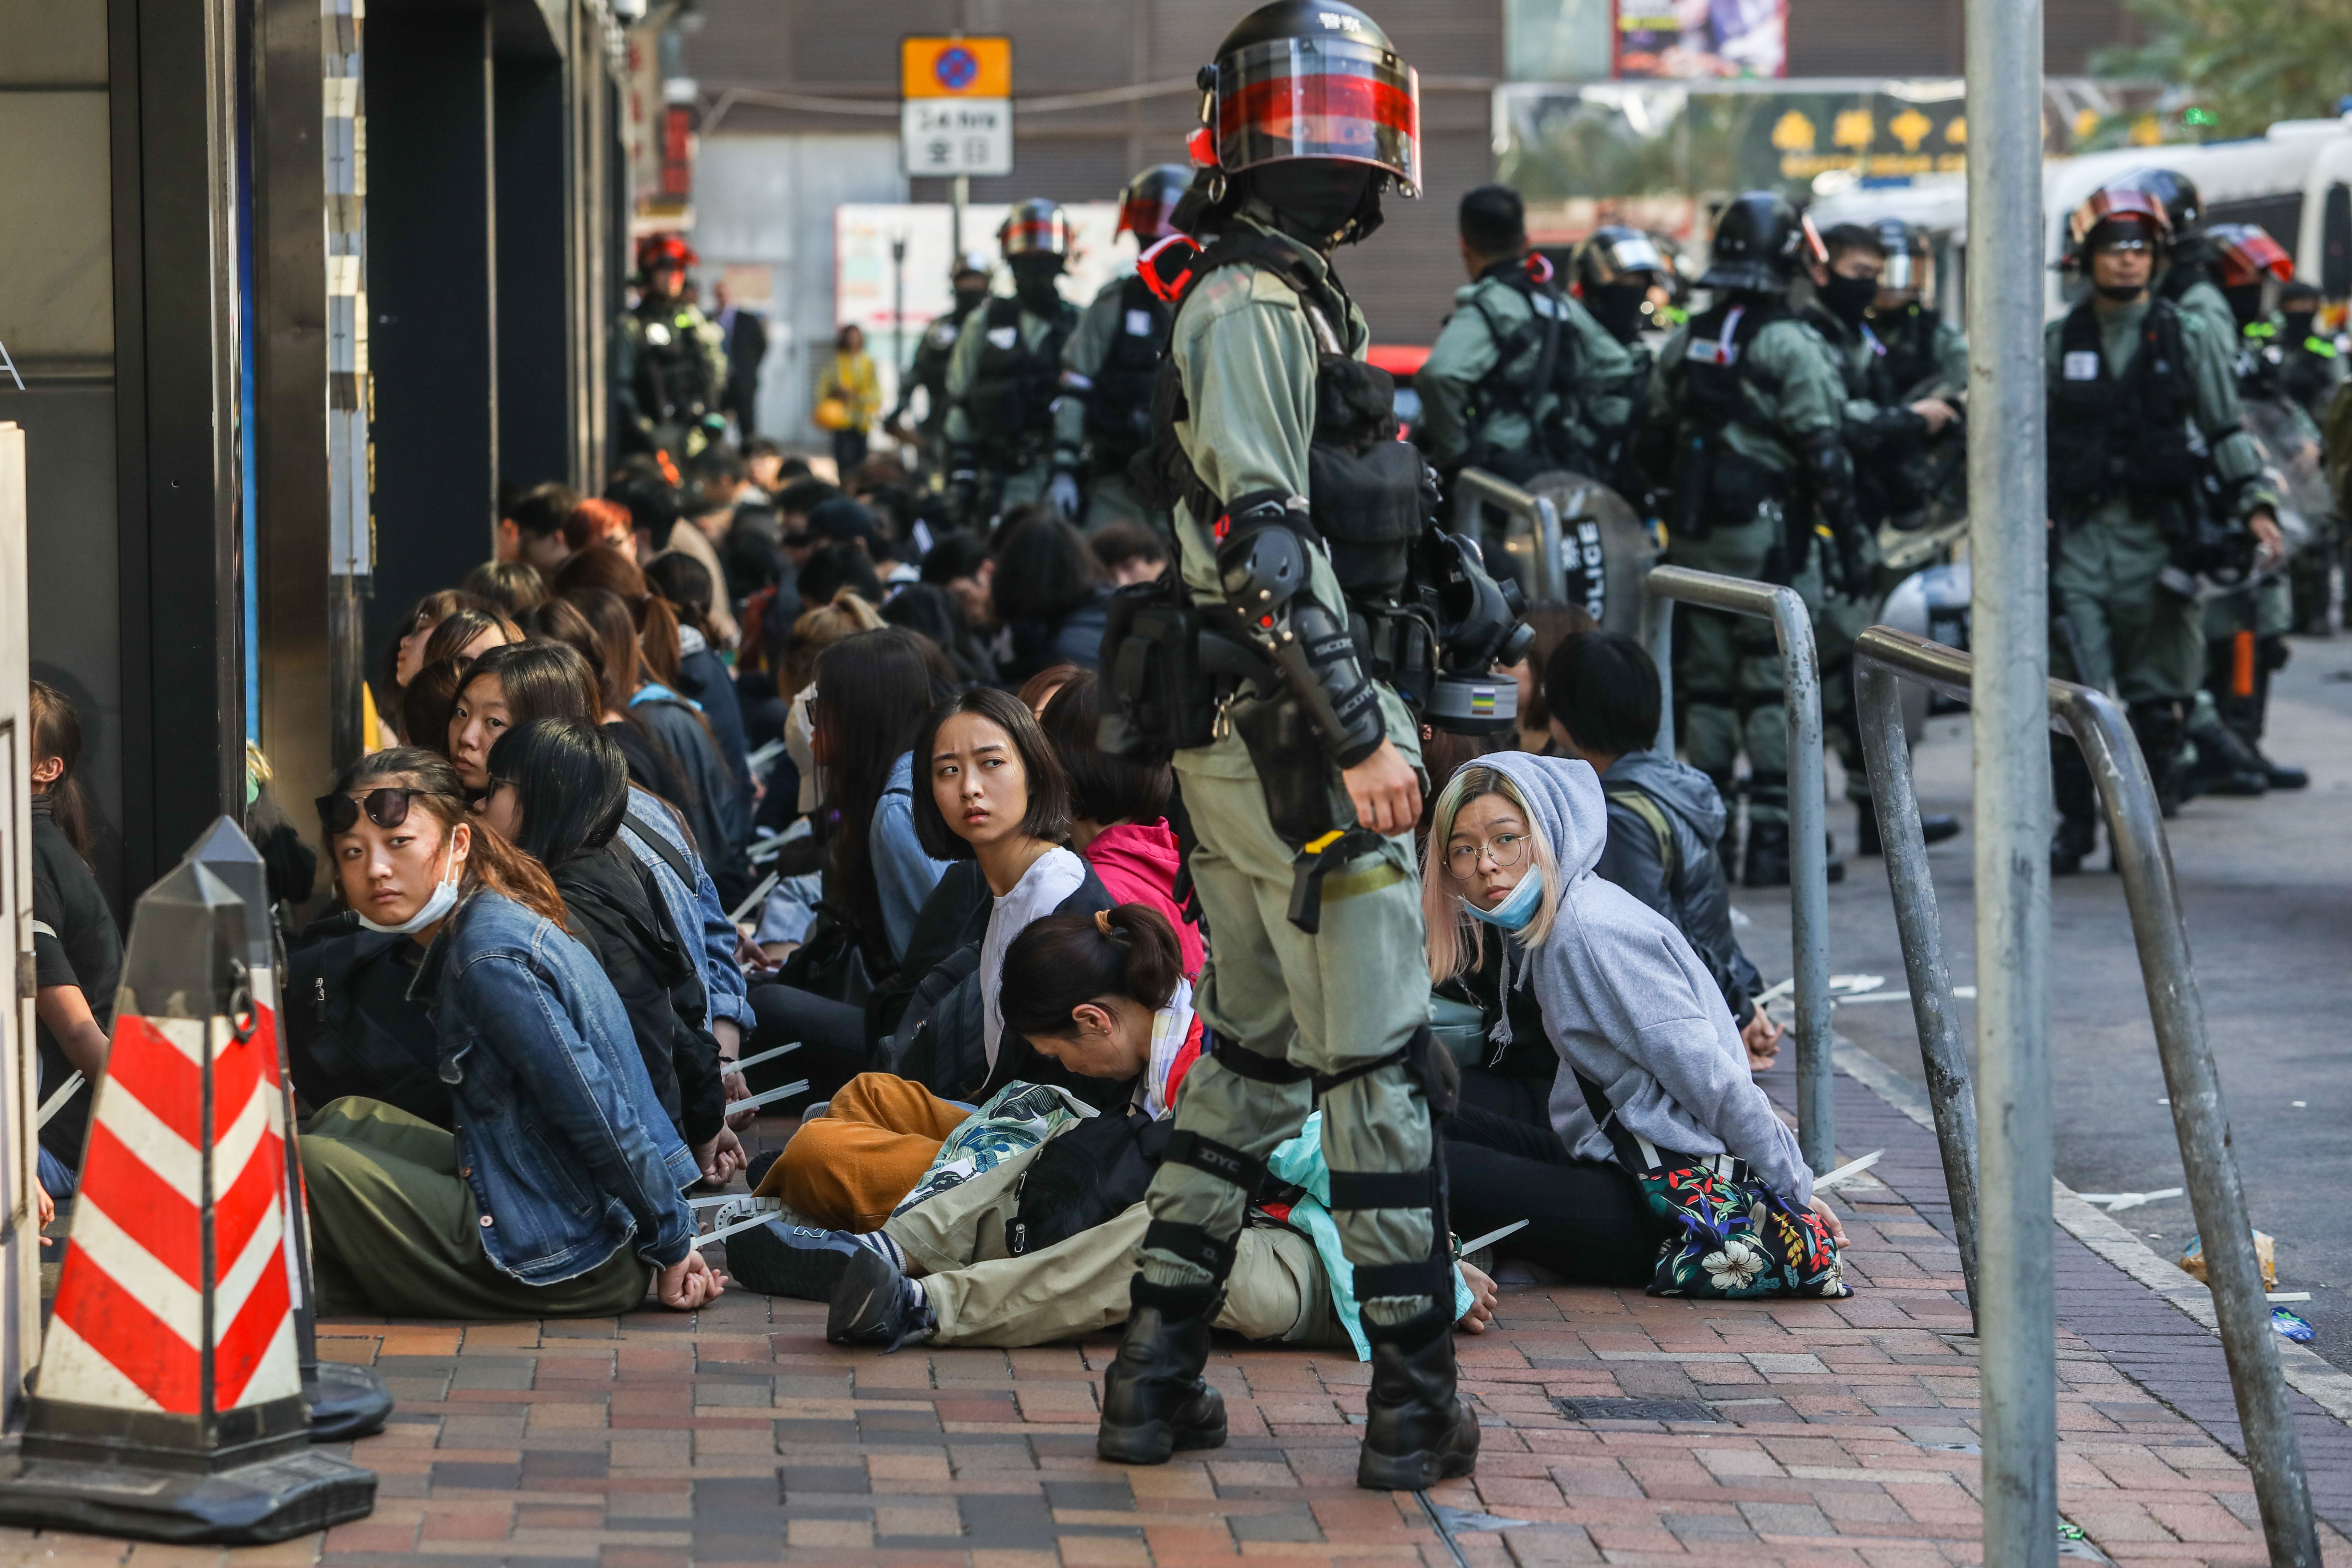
[
  {"x": 1521, "y": 380},
  {"x": 668, "y": 361},
  {"x": 2245, "y": 632},
  {"x": 1926, "y": 354},
  {"x": 1886, "y": 434},
  {"x": 1316, "y": 772},
  {"x": 2138, "y": 513},
  {"x": 1103, "y": 418},
  {"x": 1745, "y": 416},
  {"x": 1620, "y": 275},
  {"x": 2310, "y": 370},
  {"x": 1006, "y": 371},
  {"x": 2186, "y": 270},
  {"x": 929, "y": 369}
]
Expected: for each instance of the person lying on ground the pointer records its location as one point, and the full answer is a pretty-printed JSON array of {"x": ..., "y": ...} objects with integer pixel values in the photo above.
[
  {"x": 559, "y": 789},
  {"x": 1601, "y": 691},
  {"x": 1026, "y": 1217},
  {"x": 1653, "y": 1091},
  {"x": 558, "y": 1192}
]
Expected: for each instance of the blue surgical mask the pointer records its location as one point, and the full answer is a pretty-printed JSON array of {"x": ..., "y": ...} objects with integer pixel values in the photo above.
[{"x": 1518, "y": 906}]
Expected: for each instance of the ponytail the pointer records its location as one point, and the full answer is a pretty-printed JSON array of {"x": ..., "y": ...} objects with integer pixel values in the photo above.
[
  {"x": 657, "y": 635},
  {"x": 1064, "y": 962}
]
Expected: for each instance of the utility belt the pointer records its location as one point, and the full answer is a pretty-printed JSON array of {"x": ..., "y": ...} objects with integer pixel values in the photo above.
[{"x": 2203, "y": 535}]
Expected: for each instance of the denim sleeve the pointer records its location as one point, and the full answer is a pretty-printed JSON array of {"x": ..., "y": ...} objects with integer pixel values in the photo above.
[
  {"x": 729, "y": 997},
  {"x": 576, "y": 1092}
]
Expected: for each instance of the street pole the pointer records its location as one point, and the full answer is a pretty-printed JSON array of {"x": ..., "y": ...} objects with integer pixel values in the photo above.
[
  {"x": 963, "y": 197},
  {"x": 2017, "y": 1323},
  {"x": 899, "y": 316}
]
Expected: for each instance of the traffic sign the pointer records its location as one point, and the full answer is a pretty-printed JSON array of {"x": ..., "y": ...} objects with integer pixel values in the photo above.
[
  {"x": 961, "y": 67},
  {"x": 955, "y": 111}
]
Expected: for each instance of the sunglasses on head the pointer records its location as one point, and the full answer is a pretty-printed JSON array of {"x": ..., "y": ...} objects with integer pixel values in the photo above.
[{"x": 386, "y": 807}]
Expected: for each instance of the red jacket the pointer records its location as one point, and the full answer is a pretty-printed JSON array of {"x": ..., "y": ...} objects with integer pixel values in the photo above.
[{"x": 1138, "y": 865}]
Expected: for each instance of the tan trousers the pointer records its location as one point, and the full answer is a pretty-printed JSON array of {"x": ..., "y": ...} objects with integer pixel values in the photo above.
[{"x": 850, "y": 1167}]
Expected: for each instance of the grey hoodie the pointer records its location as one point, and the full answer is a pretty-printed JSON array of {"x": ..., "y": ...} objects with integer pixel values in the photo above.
[
  {"x": 1696, "y": 897},
  {"x": 1629, "y": 1006}
]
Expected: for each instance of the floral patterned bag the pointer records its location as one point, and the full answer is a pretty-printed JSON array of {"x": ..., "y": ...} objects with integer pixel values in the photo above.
[{"x": 1728, "y": 1236}]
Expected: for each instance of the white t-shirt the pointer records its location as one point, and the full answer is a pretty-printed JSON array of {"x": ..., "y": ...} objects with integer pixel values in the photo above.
[{"x": 1054, "y": 875}]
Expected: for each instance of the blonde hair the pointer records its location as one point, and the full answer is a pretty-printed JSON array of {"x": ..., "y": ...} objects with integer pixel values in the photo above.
[
  {"x": 1448, "y": 921},
  {"x": 844, "y": 616}
]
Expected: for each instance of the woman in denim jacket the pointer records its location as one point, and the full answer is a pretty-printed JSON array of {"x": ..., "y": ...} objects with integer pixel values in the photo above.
[{"x": 557, "y": 1193}]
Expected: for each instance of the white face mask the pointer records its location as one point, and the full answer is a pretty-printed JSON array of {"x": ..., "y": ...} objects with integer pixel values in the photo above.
[{"x": 442, "y": 898}]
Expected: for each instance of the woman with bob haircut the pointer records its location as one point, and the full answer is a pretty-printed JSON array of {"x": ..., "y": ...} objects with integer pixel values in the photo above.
[
  {"x": 1652, "y": 1079},
  {"x": 558, "y": 1191},
  {"x": 995, "y": 803},
  {"x": 558, "y": 791}
]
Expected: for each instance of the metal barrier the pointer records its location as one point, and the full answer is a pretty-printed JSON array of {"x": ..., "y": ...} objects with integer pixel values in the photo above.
[
  {"x": 1882, "y": 656},
  {"x": 1809, "y": 881},
  {"x": 1472, "y": 486}
]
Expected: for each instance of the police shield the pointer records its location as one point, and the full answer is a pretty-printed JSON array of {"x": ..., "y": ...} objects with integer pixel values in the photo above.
[{"x": 1605, "y": 548}]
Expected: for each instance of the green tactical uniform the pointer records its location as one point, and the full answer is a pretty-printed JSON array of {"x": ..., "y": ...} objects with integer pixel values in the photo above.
[
  {"x": 2310, "y": 370},
  {"x": 928, "y": 371},
  {"x": 668, "y": 368},
  {"x": 1246, "y": 349},
  {"x": 1479, "y": 403},
  {"x": 1002, "y": 380},
  {"x": 1104, "y": 417},
  {"x": 1926, "y": 354},
  {"x": 2136, "y": 636},
  {"x": 1727, "y": 667},
  {"x": 2202, "y": 298}
]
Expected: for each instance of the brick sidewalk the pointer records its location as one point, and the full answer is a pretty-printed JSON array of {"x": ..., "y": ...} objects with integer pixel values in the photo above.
[{"x": 1802, "y": 1433}]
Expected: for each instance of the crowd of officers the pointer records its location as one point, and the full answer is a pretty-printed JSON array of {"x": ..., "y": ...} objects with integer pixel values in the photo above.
[{"x": 1814, "y": 408}]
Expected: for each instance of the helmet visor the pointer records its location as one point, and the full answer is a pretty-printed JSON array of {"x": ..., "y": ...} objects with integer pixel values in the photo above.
[
  {"x": 1319, "y": 97},
  {"x": 1034, "y": 233},
  {"x": 2249, "y": 255},
  {"x": 2122, "y": 206},
  {"x": 1147, "y": 216},
  {"x": 1630, "y": 253},
  {"x": 1906, "y": 270}
]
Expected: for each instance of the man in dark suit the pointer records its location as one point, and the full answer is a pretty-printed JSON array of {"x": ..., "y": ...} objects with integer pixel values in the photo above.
[{"x": 745, "y": 333}]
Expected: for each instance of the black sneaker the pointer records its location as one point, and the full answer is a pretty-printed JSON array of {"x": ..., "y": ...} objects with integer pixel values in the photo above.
[
  {"x": 797, "y": 1260},
  {"x": 873, "y": 1304}
]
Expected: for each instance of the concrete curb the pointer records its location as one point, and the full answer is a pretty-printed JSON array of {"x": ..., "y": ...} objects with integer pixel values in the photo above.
[{"x": 2307, "y": 1372}]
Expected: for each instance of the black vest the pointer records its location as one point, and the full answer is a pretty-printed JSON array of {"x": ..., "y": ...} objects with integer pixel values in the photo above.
[
  {"x": 1556, "y": 364},
  {"x": 1118, "y": 408},
  {"x": 1010, "y": 400},
  {"x": 2124, "y": 436},
  {"x": 1910, "y": 359}
]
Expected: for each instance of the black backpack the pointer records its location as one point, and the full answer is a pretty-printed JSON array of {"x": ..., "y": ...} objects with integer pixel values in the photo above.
[{"x": 1085, "y": 1175}]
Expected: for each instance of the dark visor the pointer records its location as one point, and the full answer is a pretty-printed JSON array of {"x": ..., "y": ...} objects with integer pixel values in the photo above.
[{"x": 1296, "y": 97}]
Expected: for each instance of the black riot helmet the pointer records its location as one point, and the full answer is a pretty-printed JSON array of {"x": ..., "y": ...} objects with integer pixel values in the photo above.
[
  {"x": 1761, "y": 240},
  {"x": 2176, "y": 193},
  {"x": 1147, "y": 207},
  {"x": 1615, "y": 254},
  {"x": 1036, "y": 228},
  {"x": 1906, "y": 257}
]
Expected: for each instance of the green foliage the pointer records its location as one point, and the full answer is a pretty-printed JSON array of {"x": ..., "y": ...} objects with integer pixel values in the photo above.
[{"x": 2249, "y": 62}]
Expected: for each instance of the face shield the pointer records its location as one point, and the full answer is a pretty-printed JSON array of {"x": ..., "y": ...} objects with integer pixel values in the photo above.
[
  {"x": 1908, "y": 272},
  {"x": 1629, "y": 259},
  {"x": 1318, "y": 98},
  {"x": 1033, "y": 232}
]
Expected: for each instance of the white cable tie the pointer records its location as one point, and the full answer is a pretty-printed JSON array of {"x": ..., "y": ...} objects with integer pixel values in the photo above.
[
  {"x": 758, "y": 895},
  {"x": 757, "y": 1100},
  {"x": 1493, "y": 1236},
  {"x": 765, "y": 1057},
  {"x": 723, "y": 1232},
  {"x": 57, "y": 1101},
  {"x": 1847, "y": 1171}
]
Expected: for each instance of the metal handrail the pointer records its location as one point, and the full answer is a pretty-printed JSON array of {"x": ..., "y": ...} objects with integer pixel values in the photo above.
[
  {"x": 1809, "y": 877},
  {"x": 1542, "y": 518},
  {"x": 2135, "y": 828}
]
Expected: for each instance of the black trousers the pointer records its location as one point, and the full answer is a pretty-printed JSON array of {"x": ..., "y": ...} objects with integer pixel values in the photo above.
[
  {"x": 832, "y": 1036},
  {"x": 1587, "y": 1221}
]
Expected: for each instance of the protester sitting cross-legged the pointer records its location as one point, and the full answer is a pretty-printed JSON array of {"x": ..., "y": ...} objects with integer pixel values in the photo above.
[
  {"x": 702, "y": 675},
  {"x": 509, "y": 688},
  {"x": 406, "y": 655},
  {"x": 1026, "y": 1216},
  {"x": 558, "y": 791},
  {"x": 558, "y": 1192},
  {"x": 1665, "y": 817},
  {"x": 1662, "y": 1160},
  {"x": 1119, "y": 811}
]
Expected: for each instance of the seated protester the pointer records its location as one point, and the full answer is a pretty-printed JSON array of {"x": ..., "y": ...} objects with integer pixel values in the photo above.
[
  {"x": 598, "y": 520},
  {"x": 558, "y": 792},
  {"x": 793, "y": 780},
  {"x": 669, "y": 748},
  {"x": 1130, "y": 551},
  {"x": 424, "y": 706},
  {"x": 514, "y": 586},
  {"x": 509, "y": 688},
  {"x": 530, "y": 531},
  {"x": 1039, "y": 688},
  {"x": 76, "y": 950},
  {"x": 1119, "y": 813},
  {"x": 959, "y": 562},
  {"x": 1052, "y": 591},
  {"x": 1601, "y": 691},
  {"x": 703, "y": 678},
  {"x": 834, "y": 567},
  {"x": 406, "y": 657},
  {"x": 871, "y": 695},
  {"x": 1000, "y": 1236},
  {"x": 1552, "y": 624},
  {"x": 932, "y": 610},
  {"x": 557, "y": 1193},
  {"x": 469, "y": 633},
  {"x": 1641, "y": 1037}
]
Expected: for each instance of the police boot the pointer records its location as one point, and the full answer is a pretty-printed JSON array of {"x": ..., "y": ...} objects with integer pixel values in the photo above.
[
  {"x": 2270, "y": 656},
  {"x": 1766, "y": 864},
  {"x": 1154, "y": 1399},
  {"x": 1934, "y": 826},
  {"x": 2225, "y": 764},
  {"x": 1417, "y": 1431},
  {"x": 2158, "y": 729},
  {"x": 2076, "y": 832}
]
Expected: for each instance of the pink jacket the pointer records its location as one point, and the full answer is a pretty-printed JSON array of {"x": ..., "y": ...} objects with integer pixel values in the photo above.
[{"x": 1137, "y": 863}]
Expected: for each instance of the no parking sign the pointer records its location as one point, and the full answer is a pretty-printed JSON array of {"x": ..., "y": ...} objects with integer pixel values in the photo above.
[{"x": 955, "y": 113}]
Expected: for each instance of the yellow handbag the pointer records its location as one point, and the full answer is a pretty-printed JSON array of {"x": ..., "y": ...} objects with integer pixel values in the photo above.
[{"x": 831, "y": 414}]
